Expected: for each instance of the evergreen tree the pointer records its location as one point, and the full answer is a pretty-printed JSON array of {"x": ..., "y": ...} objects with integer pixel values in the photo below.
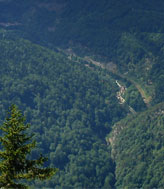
[{"x": 14, "y": 164}]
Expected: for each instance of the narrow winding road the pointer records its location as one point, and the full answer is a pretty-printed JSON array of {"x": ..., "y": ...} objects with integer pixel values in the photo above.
[{"x": 146, "y": 98}]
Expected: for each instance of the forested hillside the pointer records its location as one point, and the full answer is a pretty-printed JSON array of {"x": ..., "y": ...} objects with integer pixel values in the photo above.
[
  {"x": 127, "y": 33},
  {"x": 88, "y": 75},
  {"x": 138, "y": 150},
  {"x": 71, "y": 107}
]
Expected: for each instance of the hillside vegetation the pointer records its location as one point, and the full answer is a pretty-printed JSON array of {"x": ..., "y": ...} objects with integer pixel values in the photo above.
[
  {"x": 88, "y": 75},
  {"x": 71, "y": 108},
  {"x": 138, "y": 150}
]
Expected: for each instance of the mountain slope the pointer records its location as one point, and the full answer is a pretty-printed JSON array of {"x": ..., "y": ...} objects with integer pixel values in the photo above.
[
  {"x": 138, "y": 150},
  {"x": 129, "y": 34},
  {"x": 71, "y": 107},
  {"x": 73, "y": 104}
]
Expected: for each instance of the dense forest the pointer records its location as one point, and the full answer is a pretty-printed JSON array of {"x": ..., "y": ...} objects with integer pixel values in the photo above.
[
  {"x": 139, "y": 160},
  {"x": 88, "y": 75},
  {"x": 71, "y": 108}
]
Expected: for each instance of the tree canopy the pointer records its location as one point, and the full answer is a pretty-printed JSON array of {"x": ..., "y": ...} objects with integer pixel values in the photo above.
[{"x": 14, "y": 164}]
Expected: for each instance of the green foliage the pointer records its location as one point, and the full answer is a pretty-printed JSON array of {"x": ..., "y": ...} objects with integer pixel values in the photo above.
[
  {"x": 157, "y": 75},
  {"x": 134, "y": 99},
  {"x": 71, "y": 108},
  {"x": 73, "y": 105},
  {"x": 128, "y": 33},
  {"x": 138, "y": 150},
  {"x": 14, "y": 164}
]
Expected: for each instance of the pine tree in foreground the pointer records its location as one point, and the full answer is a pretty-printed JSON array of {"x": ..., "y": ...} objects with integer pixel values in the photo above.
[{"x": 16, "y": 145}]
